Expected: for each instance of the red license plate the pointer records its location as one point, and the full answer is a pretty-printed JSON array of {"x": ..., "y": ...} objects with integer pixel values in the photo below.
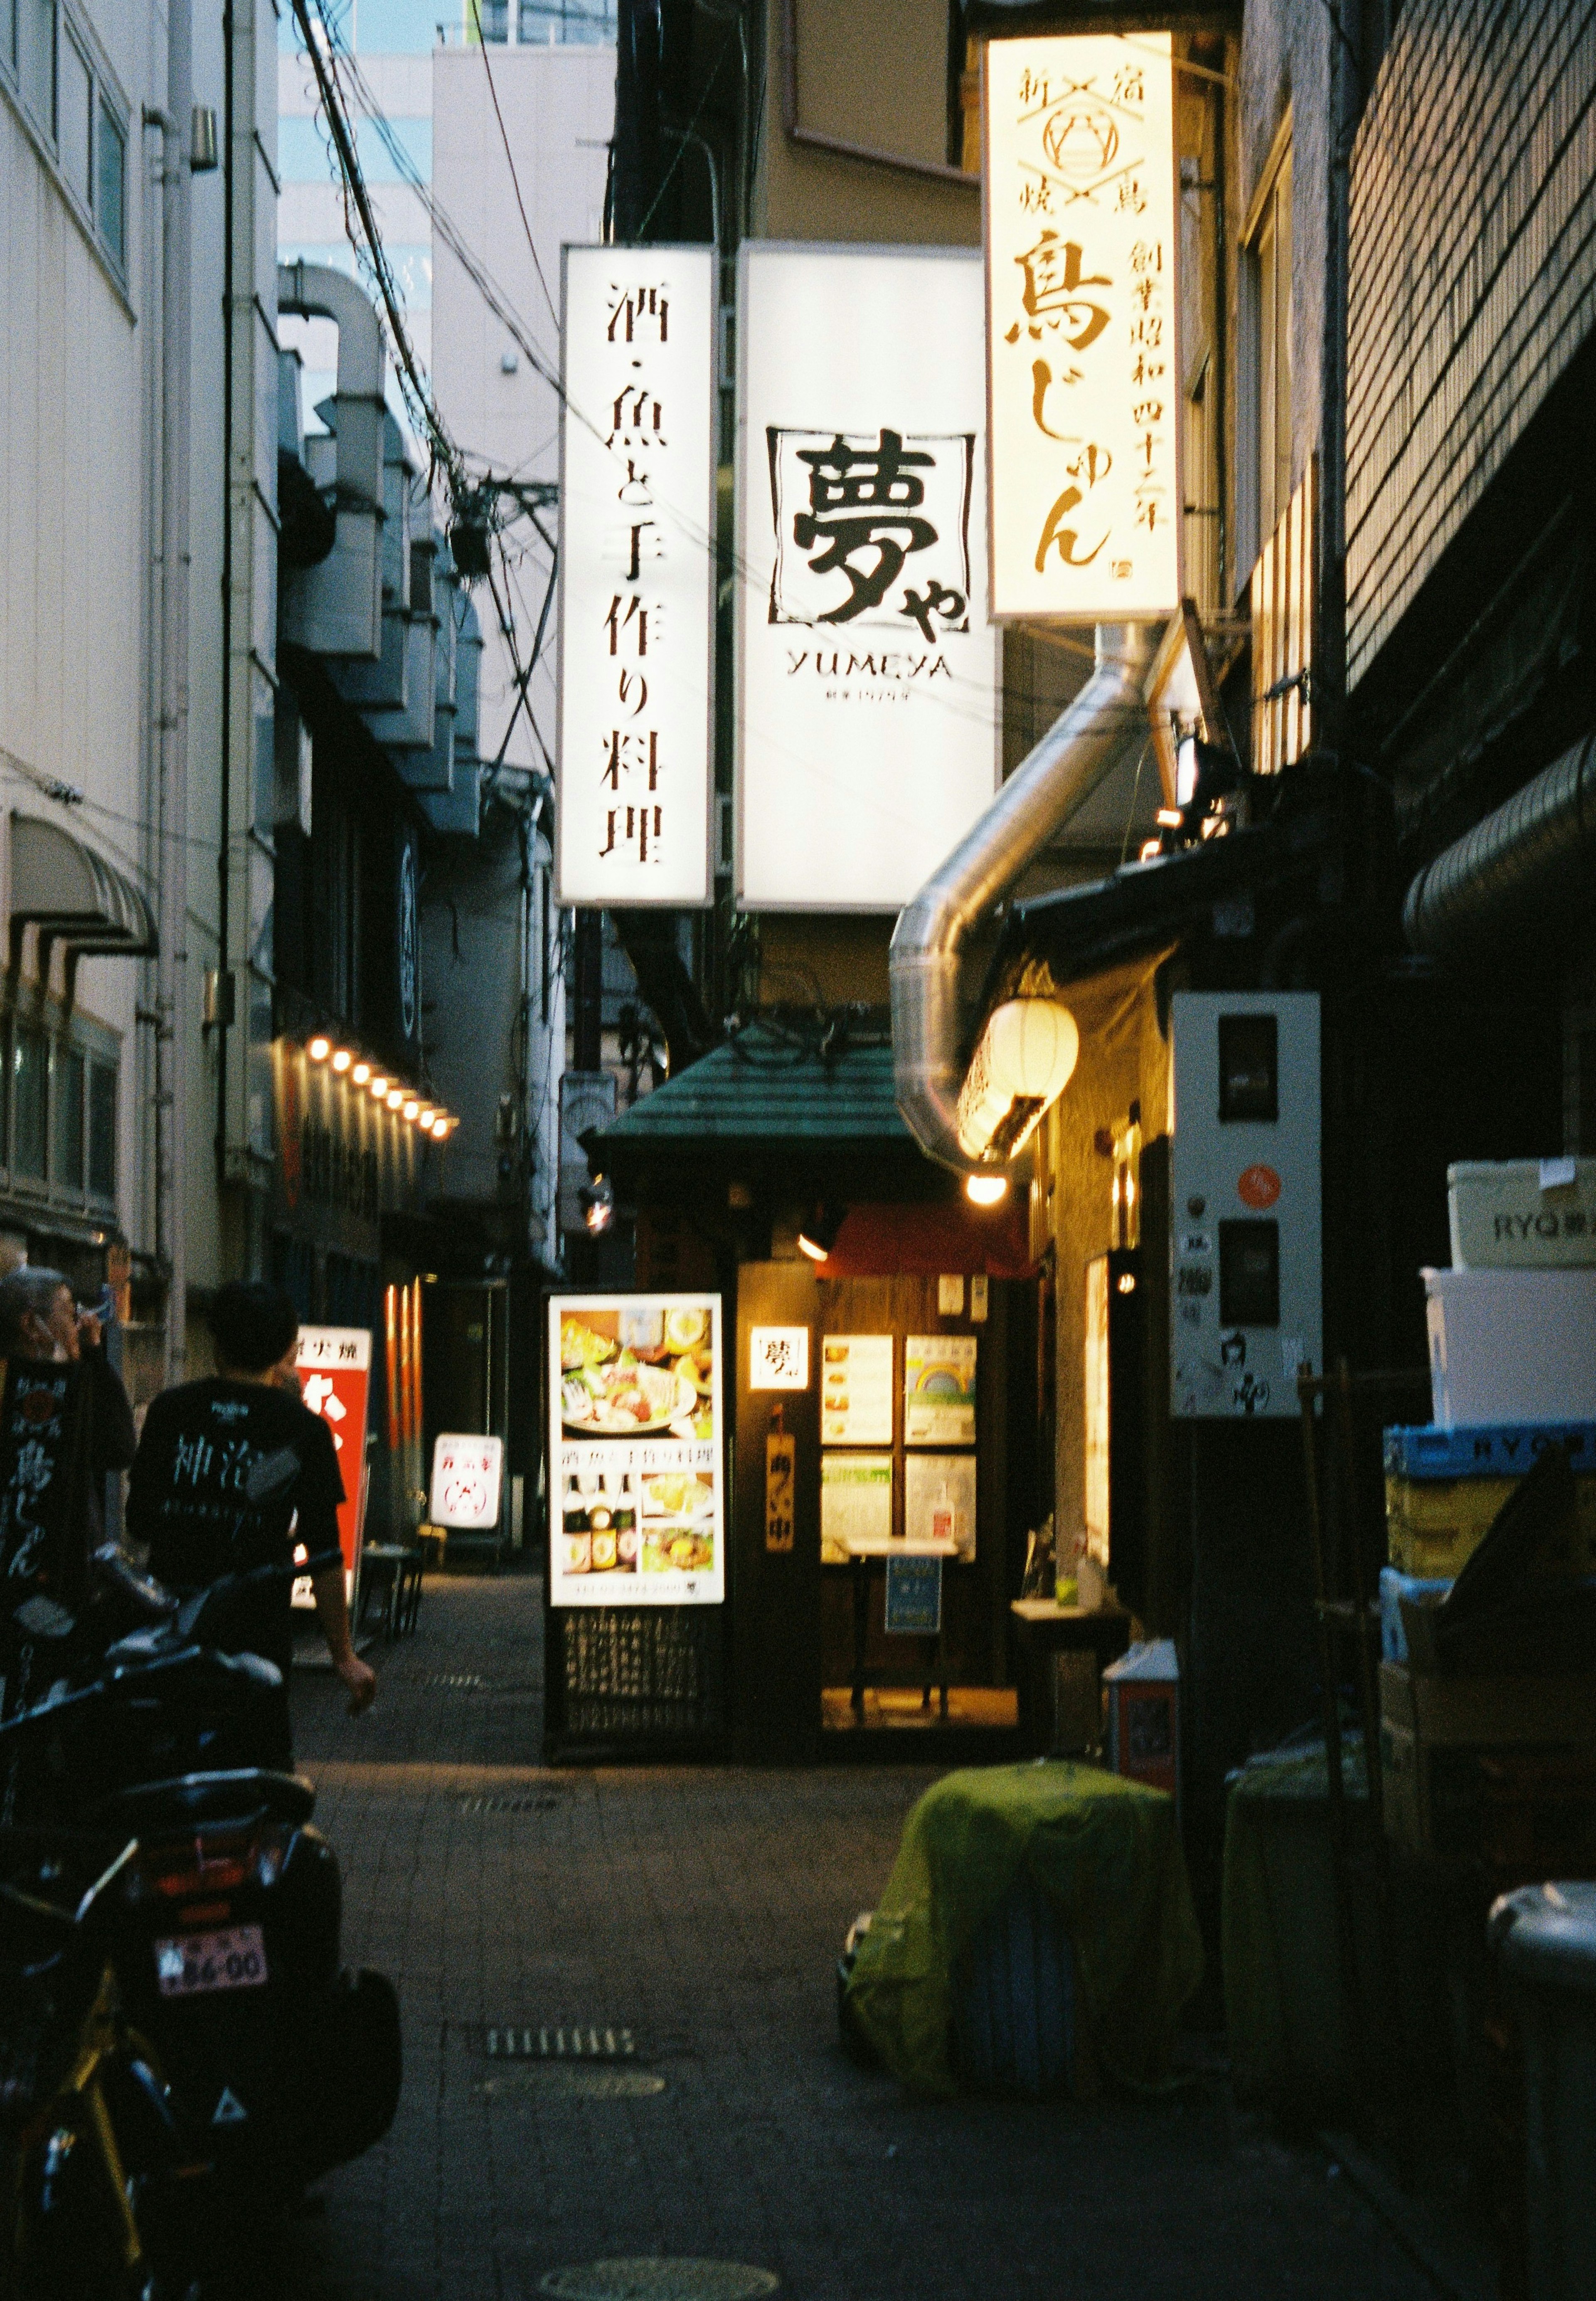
[{"x": 188, "y": 1965}]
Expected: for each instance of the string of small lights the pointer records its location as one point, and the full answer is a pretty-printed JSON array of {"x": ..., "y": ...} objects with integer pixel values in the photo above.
[{"x": 406, "y": 1103}]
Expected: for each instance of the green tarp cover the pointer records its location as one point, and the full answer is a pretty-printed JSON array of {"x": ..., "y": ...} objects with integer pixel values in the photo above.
[{"x": 1106, "y": 1851}]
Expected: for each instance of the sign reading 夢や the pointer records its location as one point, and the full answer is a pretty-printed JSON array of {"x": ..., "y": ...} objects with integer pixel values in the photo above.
[
  {"x": 637, "y": 575},
  {"x": 867, "y": 740},
  {"x": 1084, "y": 379}
]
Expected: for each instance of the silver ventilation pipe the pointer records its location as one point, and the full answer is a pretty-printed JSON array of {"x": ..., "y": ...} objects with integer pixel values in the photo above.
[
  {"x": 928, "y": 943},
  {"x": 1530, "y": 860}
]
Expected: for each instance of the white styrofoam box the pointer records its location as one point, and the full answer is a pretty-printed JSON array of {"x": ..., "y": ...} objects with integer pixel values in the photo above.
[
  {"x": 1523, "y": 1214},
  {"x": 1511, "y": 1345}
]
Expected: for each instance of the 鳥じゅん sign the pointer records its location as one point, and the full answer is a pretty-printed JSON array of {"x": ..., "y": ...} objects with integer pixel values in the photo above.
[
  {"x": 637, "y": 575},
  {"x": 1085, "y": 385},
  {"x": 868, "y": 671}
]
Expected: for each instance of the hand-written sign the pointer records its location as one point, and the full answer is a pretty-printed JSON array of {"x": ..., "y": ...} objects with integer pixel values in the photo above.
[
  {"x": 780, "y": 1473},
  {"x": 778, "y": 1357},
  {"x": 467, "y": 1472},
  {"x": 636, "y": 569},
  {"x": 1085, "y": 386}
]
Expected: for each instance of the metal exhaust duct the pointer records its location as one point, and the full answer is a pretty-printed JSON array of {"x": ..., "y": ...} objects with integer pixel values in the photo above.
[{"x": 928, "y": 943}]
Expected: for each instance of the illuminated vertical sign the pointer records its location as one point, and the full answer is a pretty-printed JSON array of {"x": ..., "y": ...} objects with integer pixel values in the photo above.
[
  {"x": 1083, "y": 374},
  {"x": 867, "y": 669},
  {"x": 637, "y": 576}
]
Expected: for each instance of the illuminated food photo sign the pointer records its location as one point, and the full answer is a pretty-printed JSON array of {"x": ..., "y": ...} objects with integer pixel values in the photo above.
[
  {"x": 867, "y": 670},
  {"x": 1085, "y": 375},
  {"x": 638, "y": 1506},
  {"x": 637, "y": 576}
]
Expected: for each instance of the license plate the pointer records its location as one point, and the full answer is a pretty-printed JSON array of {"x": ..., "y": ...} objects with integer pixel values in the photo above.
[{"x": 190, "y": 1964}]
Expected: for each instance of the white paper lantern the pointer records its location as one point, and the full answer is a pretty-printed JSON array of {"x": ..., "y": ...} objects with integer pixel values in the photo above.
[{"x": 1023, "y": 1062}]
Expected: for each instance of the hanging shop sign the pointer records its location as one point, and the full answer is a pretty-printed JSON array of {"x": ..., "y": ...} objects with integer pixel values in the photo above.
[
  {"x": 868, "y": 668},
  {"x": 781, "y": 1486},
  {"x": 778, "y": 1357},
  {"x": 912, "y": 1605},
  {"x": 334, "y": 1366},
  {"x": 637, "y": 575},
  {"x": 1078, "y": 171},
  {"x": 635, "y": 1405}
]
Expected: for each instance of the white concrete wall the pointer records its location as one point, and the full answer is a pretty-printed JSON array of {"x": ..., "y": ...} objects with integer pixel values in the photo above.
[{"x": 558, "y": 107}]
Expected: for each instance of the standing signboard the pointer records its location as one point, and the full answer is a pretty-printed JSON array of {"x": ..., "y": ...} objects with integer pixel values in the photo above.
[
  {"x": 637, "y": 576},
  {"x": 334, "y": 1365},
  {"x": 467, "y": 1477},
  {"x": 1078, "y": 177},
  {"x": 868, "y": 668},
  {"x": 635, "y": 1410}
]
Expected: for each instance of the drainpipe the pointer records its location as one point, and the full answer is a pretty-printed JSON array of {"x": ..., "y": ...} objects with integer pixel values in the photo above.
[
  {"x": 171, "y": 964},
  {"x": 1529, "y": 865},
  {"x": 929, "y": 942}
]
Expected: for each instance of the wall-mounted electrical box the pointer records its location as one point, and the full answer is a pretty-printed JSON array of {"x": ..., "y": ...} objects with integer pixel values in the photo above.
[{"x": 1245, "y": 1287}]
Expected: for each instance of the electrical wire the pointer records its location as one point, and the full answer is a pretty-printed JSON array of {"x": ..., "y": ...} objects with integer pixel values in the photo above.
[{"x": 505, "y": 140}]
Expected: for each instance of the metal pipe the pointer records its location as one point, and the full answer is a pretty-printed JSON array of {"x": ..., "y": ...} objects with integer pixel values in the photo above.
[
  {"x": 1531, "y": 858},
  {"x": 172, "y": 966},
  {"x": 929, "y": 942}
]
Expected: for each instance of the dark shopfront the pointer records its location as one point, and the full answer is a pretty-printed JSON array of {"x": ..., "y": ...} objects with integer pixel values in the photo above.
[{"x": 763, "y": 1142}]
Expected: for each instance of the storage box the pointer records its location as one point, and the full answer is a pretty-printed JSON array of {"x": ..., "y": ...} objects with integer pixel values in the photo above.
[
  {"x": 1511, "y": 1345},
  {"x": 1144, "y": 1737},
  {"x": 1432, "y": 1525},
  {"x": 1523, "y": 1214},
  {"x": 1436, "y": 1737}
]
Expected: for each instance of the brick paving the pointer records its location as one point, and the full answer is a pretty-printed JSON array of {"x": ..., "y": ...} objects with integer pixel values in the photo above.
[{"x": 703, "y": 1910}]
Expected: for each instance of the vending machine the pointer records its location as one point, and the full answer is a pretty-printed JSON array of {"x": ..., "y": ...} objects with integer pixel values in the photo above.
[{"x": 1245, "y": 1244}]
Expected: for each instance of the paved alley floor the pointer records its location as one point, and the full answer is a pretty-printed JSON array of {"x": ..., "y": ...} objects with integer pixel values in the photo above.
[{"x": 703, "y": 1910}]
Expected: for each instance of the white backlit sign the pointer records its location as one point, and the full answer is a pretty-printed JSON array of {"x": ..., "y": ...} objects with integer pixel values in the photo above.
[
  {"x": 1085, "y": 384},
  {"x": 867, "y": 669},
  {"x": 637, "y": 576}
]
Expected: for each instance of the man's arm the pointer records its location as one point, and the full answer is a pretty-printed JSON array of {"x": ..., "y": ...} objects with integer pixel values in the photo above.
[{"x": 332, "y": 1612}]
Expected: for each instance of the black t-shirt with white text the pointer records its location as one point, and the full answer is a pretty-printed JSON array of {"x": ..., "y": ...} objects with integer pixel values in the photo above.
[{"x": 187, "y": 1496}]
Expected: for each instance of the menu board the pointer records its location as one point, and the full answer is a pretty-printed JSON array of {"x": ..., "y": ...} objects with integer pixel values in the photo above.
[
  {"x": 856, "y": 1390},
  {"x": 938, "y": 1503},
  {"x": 856, "y": 1506},
  {"x": 638, "y": 1516},
  {"x": 939, "y": 1390}
]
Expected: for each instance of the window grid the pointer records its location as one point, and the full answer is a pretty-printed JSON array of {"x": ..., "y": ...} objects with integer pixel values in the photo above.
[{"x": 47, "y": 54}]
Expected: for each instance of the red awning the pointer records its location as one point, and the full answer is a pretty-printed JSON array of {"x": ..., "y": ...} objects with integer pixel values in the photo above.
[{"x": 925, "y": 1241}]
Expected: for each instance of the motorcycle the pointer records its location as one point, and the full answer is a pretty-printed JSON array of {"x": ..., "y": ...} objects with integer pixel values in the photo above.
[{"x": 277, "y": 2064}]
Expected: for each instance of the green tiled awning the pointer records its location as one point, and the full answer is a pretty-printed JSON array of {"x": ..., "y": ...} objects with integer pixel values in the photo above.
[{"x": 762, "y": 1088}]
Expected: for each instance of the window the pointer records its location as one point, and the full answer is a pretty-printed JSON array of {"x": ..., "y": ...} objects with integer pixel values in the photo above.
[
  {"x": 102, "y": 1130},
  {"x": 111, "y": 173},
  {"x": 36, "y": 62},
  {"x": 1268, "y": 277},
  {"x": 67, "y": 1105},
  {"x": 8, "y": 33},
  {"x": 29, "y": 1065},
  {"x": 77, "y": 120},
  {"x": 492, "y": 18}
]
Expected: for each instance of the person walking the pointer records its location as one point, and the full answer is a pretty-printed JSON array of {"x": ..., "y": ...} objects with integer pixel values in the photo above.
[{"x": 187, "y": 1495}]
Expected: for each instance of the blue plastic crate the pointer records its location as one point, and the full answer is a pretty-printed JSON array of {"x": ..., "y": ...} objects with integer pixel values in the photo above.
[
  {"x": 1490, "y": 1449},
  {"x": 1014, "y": 2017}
]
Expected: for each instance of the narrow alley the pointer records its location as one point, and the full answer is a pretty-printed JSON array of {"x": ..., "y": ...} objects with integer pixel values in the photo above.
[{"x": 702, "y": 1909}]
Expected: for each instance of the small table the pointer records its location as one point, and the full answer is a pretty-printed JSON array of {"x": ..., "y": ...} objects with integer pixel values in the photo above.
[
  {"x": 1044, "y": 1629},
  {"x": 392, "y": 1570}
]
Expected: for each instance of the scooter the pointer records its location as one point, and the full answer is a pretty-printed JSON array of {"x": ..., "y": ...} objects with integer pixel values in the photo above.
[{"x": 279, "y": 2063}]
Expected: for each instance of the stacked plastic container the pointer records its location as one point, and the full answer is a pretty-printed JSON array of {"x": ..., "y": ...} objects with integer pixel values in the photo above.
[{"x": 1512, "y": 1332}]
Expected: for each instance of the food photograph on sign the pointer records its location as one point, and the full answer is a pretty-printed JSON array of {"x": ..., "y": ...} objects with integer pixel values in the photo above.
[
  {"x": 868, "y": 668},
  {"x": 635, "y": 1410},
  {"x": 637, "y": 576},
  {"x": 1078, "y": 177}
]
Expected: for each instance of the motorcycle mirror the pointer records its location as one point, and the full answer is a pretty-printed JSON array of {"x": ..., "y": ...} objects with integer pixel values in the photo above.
[
  {"x": 41, "y": 1617},
  {"x": 141, "y": 1591},
  {"x": 272, "y": 1476}
]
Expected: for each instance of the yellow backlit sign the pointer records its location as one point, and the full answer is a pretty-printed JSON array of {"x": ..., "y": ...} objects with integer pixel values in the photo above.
[{"x": 1084, "y": 373}]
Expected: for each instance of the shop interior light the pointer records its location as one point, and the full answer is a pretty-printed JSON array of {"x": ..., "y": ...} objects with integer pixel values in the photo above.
[
  {"x": 319, "y": 1048},
  {"x": 394, "y": 1098},
  {"x": 341, "y": 1058},
  {"x": 410, "y": 1109},
  {"x": 986, "y": 1189},
  {"x": 361, "y": 1072}
]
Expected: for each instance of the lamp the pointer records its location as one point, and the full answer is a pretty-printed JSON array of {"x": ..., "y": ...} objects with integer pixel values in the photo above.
[
  {"x": 410, "y": 1107},
  {"x": 986, "y": 1189},
  {"x": 341, "y": 1058},
  {"x": 817, "y": 1234},
  {"x": 319, "y": 1048},
  {"x": 427, "y": 1116},
  {"x": 1022, "y": 1064},
  {"x": 377, "y": 1086},
  {"x": 361, "y": 1072},
  {"x": 394, "y": 1097}
]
